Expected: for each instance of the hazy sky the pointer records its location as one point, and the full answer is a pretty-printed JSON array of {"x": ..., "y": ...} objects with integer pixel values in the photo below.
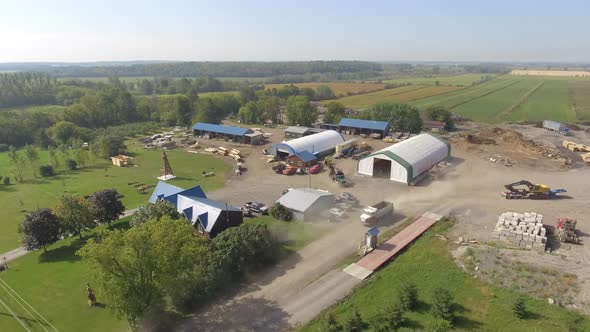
[{"x": 416, "y": 30}]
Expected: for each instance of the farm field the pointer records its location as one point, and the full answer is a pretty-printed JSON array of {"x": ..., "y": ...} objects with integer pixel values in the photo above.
[
  {"x": 60, "y": 295},
  {"x": 480, "y": 306},
  {"x": 403, "y": 94},
  {"x": 217, "y": 94},
  {"x": 550, "y": 101},
  {"x": 339, "y": 88},
  {"x": 457, "y": 80},
  {"x": 18, "y": 198},
  {"x": 579, "y": 92}
]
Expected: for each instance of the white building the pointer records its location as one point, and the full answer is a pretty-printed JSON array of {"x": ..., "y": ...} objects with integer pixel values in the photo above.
[
  {"x": 319, "y": 144},
  {"x": 405, "y": 161},
  {"x": 307, "y": 203}
]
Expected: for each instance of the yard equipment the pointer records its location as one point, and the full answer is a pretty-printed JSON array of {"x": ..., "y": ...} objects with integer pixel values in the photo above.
[
  {"x": 566, "y": 230},
  {"x": 526, "y": 190}
]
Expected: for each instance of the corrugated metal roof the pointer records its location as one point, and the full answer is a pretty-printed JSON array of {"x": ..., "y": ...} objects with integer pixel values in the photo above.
[
  {"x": 222, "y": 129},
  {"x": 363, "y": 124},
  {"x": 306, "y": 156},
  {"x": 297, "y": 130},
  {"x": 164, "y": 189},
  {"x": 300, "y": 199}
]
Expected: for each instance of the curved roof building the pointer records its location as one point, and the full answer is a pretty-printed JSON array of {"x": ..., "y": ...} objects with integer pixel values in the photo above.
[{"x": 316, "y": 144}]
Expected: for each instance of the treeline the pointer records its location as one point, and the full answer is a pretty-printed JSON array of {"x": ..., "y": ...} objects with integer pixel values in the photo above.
[
  {"x": 20, "y": 89},
  {"x": 218, "y": 69}
]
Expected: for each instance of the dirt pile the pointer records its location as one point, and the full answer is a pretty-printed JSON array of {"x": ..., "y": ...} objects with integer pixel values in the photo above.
[{"x": 516, "y": 139}]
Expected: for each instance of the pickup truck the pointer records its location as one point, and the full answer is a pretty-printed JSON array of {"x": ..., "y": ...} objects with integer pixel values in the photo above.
[{"x": 372, "y": 214}]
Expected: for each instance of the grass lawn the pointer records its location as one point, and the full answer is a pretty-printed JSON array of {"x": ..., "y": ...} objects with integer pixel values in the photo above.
[
  {"x": 550, "y": 101},
  {"x": 480, "y": 306},
  {"x": 403, "y": 94},
  {"x": 580, "y": 98},
  {"x": 457, "y": 80},
  {"x": 54, "y": 283},
  {"x": 19, "y": 198},
  {"x": 339, "y": 88}
]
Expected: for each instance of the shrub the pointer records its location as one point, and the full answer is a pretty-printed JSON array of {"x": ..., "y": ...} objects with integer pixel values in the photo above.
[
  {"x": 442, "y": 304},
  {"x": 439, "y": 325},
  {"x": 6, "y": 180},
  {"x": 408, "y": 296},
  {"x": 280, "y": 212},
  {"x": 332, "y": 324},
  {"x": 46, "y": 171},
  {"x": 3, "y": 147},
  {"x": 355, "y": 323},
  {"x": 71, "y": 164},
  {"x": 519, "y": 308}
]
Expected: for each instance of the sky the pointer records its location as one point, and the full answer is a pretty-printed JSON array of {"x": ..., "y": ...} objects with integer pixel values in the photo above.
[{"x": 256, "y": 30}]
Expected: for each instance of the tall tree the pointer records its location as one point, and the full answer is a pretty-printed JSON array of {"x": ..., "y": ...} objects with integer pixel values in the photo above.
[
  {"x": 300, "y": 111},
  {"x": 17, "y": 163},
  {"x": 324, "y": 92},
  {"x": 32, "y": 156},
  {"x": 442, "y": 304},
  {"x": 154, "y": 212},
  {"x": 335, "y": 113},
  {"x": 74, "y": 214},
  {"x": 136, "y": 269},
  {"x": 440, "y": 114},
  {"x": 106, "y": 206},
  {"x": 40, "y": 229},
  {"x": 63, "y": 131}
]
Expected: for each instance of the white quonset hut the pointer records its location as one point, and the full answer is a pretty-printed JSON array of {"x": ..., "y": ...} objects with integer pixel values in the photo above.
[
  {"x": 405, "y": 161},
  {"x": 319, "y": 144}
]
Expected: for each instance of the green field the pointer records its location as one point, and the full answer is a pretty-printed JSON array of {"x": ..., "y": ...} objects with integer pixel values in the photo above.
[
  {"x": 457, "y": 80},
  {"x": 60, "y": 294},
  {"x": 579, "y": 92},
  {"x": 18, "y": 198},
  {"x": 339, "y": 88},
  {"x": 403, "y": 94},
  {"x": 481, "y": 306},
  {"x": 217, "y": 94},
  {"x": 550, "y": 101}
]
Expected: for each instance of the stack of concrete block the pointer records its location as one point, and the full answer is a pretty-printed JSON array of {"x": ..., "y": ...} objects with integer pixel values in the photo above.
[{"x": 523, "y": 230}]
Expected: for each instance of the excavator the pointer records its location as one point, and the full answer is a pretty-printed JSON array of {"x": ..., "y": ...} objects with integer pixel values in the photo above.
[{"x": 526, "y": 190}]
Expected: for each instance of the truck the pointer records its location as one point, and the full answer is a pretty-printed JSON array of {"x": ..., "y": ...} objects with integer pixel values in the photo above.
[
  {"x": 556, "y": 127},
  {"x": 372, "y": 214}
]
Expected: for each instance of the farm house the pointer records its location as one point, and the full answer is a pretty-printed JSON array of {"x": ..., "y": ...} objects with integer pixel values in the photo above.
[
  {"x": 234, "y": 134},
  {"x": 319, "y": 145},
  {"x": 207, "y": 216},
  {"x": 367, "y": 127},
  {"x": 407, "y": 160},
  {"x": 307, "y": 203}
]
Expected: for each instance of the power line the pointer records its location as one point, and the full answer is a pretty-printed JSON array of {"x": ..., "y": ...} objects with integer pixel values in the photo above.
[
  {"x": 22, "y": 306},
  {"x": 30, "y": 306},
  {"x": 15, "y": 316}
]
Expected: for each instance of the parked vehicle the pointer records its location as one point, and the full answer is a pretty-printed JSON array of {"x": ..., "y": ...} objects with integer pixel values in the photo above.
[
  {"x": 556, "y": 126},
  {"x": 257, "y": 207},
  {"x": 347, "y": 198},
  {"x": 372, "y": 214},
  {"x": 316, "y": 168},
  {"x": 290, "y": 170},
  {"x": 337, "y": 212}
]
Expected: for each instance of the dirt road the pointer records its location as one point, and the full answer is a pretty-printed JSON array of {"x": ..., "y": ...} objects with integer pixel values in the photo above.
[{"x": 309, "y": 281}]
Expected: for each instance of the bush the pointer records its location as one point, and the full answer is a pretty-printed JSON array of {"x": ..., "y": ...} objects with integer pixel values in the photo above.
[
  {"x": 519, "y": 308},
  {"x": 6, "y": 180},
  {"x": 439, "y": 325},
  {"x": 442, "y": 304},
  {"x": 3, "y": 147},
  {"x": 46, "y": 171},
  {"x": 355, "y": 323},
  {"x": 71, "y": 164},
  {"x": 408, "y": 296},
  {"x": 280, "y": 212}
]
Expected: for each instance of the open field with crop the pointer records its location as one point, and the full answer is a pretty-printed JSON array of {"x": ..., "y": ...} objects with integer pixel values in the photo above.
[
  {"x": 403, "y": 94},
  {"x": 550, "y": 101},
  {"x": 18, "y": 198},
  {"x": 60, "y": 295},
  {"x": 217, "y": 94},
  {"x": 457, "y": 80},
  {"x": 339, "y": 88},
  {"x": 579, "y": 92},
  {"x": 479, "y": 306}
]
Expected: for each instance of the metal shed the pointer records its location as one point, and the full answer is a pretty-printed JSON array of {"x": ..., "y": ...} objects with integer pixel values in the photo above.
[
  {"x": 307, "y": 203},
  {"x": 367, "y": 127},
  {"x": 210, "y": 130}
]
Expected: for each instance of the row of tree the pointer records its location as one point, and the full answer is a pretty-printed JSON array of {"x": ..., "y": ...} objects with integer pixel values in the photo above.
[
  {"x": 19, "y": 89},
  {"x": 72, "y": 215},
  {"x": 159, "y": 261}
]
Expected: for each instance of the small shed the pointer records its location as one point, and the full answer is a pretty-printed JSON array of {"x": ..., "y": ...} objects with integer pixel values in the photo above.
[
  {"x": 254, "y": 138},
  {"x": 371, "y": 237},
  {"x": 296, "y": 132},
  {"x": 302, "y": 159},
  {"x": 433, "y": 125},
  {"x": 121, "y": 160},
  {"x": 306, "y": 203}
]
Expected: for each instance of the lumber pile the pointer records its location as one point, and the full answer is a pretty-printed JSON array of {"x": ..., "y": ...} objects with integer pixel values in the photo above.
[
  {"x": 236, "y": 154},
  {"x": 576, "y": 147},
  {"x": 523, "y": 230}
]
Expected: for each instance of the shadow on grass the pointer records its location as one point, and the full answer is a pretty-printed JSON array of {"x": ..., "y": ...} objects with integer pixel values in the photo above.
[
  {"x": 532, "y": 315},
  {"x": 27, "y": 320},
  {"x": 63, "y": 253},
  {"x": 422, "y": 307},
  {"x": 414, "y": 325},
  {"x": 462, "y": 321},
  {"x": 7, "y": 188}
]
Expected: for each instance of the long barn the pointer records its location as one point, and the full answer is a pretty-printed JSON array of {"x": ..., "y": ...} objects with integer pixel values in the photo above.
[
  {"x": 407, "y": 160},
  {"x": 319, "y": 145}
]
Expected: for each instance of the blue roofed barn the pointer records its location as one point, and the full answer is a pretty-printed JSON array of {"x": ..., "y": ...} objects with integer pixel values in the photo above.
[
  {"x": 235, "y": 134},
  {"x": 367, "y": 127}
]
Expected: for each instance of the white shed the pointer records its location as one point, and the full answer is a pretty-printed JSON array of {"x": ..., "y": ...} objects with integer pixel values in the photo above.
[
  {"x": 405, "y": 161},
  {"x": 318, "y": 144}
]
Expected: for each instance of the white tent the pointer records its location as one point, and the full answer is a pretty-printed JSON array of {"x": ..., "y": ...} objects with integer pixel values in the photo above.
[
  {"x": 318, "y": 143},
  {"x": 406, "y": 160}
]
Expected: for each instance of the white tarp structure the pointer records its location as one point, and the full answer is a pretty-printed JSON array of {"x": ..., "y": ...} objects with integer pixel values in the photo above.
[
  {"x": 406, "y": 160},
  {"x": 318, "y": 143}
]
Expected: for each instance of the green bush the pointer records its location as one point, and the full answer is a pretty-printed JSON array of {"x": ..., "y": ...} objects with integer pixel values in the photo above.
[
  {"x": 46, "y": 171},
  {"x": 442, "y": 304},
  {"x": 71, "y": 164},
  {"x": 519, "y": 308},
  {"x": 280, "y": 212},
  {"x": 408, "y": 296}
]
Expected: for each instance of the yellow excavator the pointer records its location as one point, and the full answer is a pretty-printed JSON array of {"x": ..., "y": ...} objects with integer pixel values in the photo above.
[{"x": 526, "y": 190}]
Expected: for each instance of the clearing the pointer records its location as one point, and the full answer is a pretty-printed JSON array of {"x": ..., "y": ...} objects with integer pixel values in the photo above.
[
  {"x": 480, "y": 306},
  {"x": 403, "y": 94},
  {"x": 19, "y": 198},
  {"x": 339, "y": 88}
]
